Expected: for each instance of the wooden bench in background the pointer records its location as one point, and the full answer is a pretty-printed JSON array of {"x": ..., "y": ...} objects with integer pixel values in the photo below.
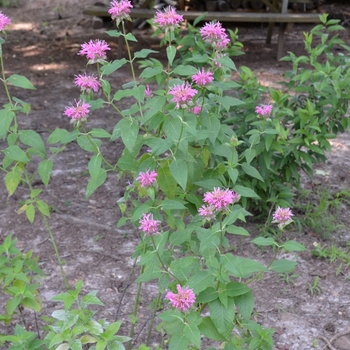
[{"x": 282, "y": 17}]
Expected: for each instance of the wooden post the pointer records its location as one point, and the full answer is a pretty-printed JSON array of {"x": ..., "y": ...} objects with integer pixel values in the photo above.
[{"x": 282, "y": 29}]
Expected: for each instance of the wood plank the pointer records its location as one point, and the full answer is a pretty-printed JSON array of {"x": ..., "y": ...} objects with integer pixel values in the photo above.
[{"x": 220, "y": 16}]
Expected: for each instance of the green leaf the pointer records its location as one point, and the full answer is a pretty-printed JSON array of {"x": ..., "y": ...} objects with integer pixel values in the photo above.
[
  {"x": 43, "y": 207},
  {"x": 129, "y": 132},
  {"x": 171, "y": 52},
  {"x": 166, "y": 181},
  {"x": 113, "y": 66},
  {"x": 192, "y": 333},
  {"x": 234, "y": 289},
  {"x": 249, "y": 170},
  {"x": 45, "y": 170},
  {"x": 16, "y": 154},
  {"x": 246, "y": 192},
  {"x": 90, "y": 299},
  {"x": 178, "y": 169},
  {"x": 283, "y": 265},
  {"x": 185, "y": 70},
  {"x": 209, "y": 330},
  {"x": 20, "y": 81},
  {"x": 31, "y": 303},
  {"x": 228, "y": 102},
  {"x": 12, "y": 179},
  {"x": 241, "y": 267},
  {"x": 237, "y": 230},
  {"x": 30, "y": 212},
  {"x": 156, "y": 104},
  {"x": 200, "y": 281},
  {"x": 144, "y": 53},
  {"x": 94, "y": 165},
  {"x": 169, "y": 204},
  {"x": 222, "y": 316},
  {"x": 227, "y": 62},
  {"x": 6, "y": 117},
  {"x": 245, "y": 304},
  {"x": 95, "y": 182},
  {"x": 130, "y": 37},
  {"x": 88, "y": 144},
  {"x": 57, "y": 135},
  {"x": 100, "y": 133},
  {"x": 33, "y": 139},
  {"x": 209, "y": 294},
  {"x": 153, "y": 272},
  {"x": 178, "y": 341},
  {"x": 12, "y": 304},
  {"x": 264, "y": 241},
  {"x": 292, "y": 246}
]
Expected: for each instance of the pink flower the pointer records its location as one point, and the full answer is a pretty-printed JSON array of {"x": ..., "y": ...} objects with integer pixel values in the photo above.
[
  {"x": 147, "y": 178},
  {"x": 183, "y": 95},
  {"x": 120, "y": 10},
  {"x": 202, "y": 77},
  {"x": 4, "y": 20},
  {"x": 148, "y": 225},
  {"x": 87, "y": 82},
  {"x": 79, "y": 112},
  {"x": 264, "y": 110},
  {"x": 282, "y": 216},
  {"x": 214, "y": 34},
  {"x": 196, "y": 110},
  {"x": 182, "y": 301},
  {"x": 148, "y": 91},
  {"x": 207, "y": 212},
  {"x": 94, "y": 50},
  {"x": 168, "y": 19},
  {"x": 220, "y": 199}
]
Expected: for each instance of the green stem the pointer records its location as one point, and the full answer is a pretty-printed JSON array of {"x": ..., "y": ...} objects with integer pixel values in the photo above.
[
  {"x": 161, "y": 261},
  {"x": 181, "y": 131},
  {"x": 56, "y": 251},
  {"x": 153, "y": 318},
  {"x": 131, "y": 66},
  {"x": 136, "y": 305},
  {"x": 97, "y": 151},
  {"x": 4, "y": 81}
]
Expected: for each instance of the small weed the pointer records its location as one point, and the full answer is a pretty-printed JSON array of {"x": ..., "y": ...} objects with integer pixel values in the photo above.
[
  {"x": 314, "y": 288},
  {"x": 321, "y": 210},
  {"x": 288, "y": 277},
  {"x": 332, "y": 254},
  {"x": 97, "y": 238},
  {"x": 314, "y": 343}
]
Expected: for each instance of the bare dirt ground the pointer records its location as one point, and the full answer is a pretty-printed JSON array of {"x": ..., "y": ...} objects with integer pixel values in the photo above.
[{"x": 42, "y": 44}]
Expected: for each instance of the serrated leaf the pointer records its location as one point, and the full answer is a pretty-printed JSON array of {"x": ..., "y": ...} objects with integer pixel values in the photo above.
[
  {"x": 228, "y": 102},
  {"x": 222, "y": 316},
  {"x": 94, "y": 165},
  {"x": 129, "y": 132},
  {"x": 234, "y": 289},
  {"x": 45, "y": 170},
  {"x": 6, "y": 118},
  {"x": 130, "y": 37},
  {"x": 91, "y": 299},
  {"x": 245, "y": 304},
  {"x": 192, "y": 333},
  {"x": 178, "y": 341},
  {"x": 20, "y": 81},
  {"x": 200, "y": 281},
  {"x": 209, "y": 330},
  {"x": 246, "y": 192}
]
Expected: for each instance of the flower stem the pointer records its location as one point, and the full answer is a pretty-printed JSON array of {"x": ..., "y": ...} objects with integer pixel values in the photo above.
[{"x": 56, "y": 251}]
